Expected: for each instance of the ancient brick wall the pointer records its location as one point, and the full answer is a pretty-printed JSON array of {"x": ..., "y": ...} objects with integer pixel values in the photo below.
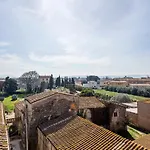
[
  {"x": 47, "y": 109},
  {"x": 117, "y": 117},
  {"x": 144, "y": 115},
  {"x": 132, "y": 118},
  {"x": 100, "y": 116}
]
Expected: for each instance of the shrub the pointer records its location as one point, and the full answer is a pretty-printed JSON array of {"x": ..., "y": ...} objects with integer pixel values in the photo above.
[
  {"x": 1, "y": 98},
  {"x": 87, "y": 92},
  {"x": 14, "y": 97}
]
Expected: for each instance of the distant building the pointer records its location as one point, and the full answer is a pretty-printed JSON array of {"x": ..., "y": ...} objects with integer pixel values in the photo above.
[
  {"x": 117, "y": 83},
  {"x": 91, "y": 84},
  {"x": 44, "y": 79},
  {"x": 4, "y": 142},
  {"x": 134, "y": 80},
  {"x": 76, "y": 133}
]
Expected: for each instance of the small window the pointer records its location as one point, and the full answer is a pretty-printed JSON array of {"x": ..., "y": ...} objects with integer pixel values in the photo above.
[{"x": 115, "y": 114}]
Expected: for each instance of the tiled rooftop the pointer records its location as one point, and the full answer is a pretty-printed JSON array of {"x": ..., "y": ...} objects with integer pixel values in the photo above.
[
  {"x": 20, "y": 105},
  {"x": 74, "y": 133},
  {"x": 3, "y": 133},
  {"x": 89, "y": 102},
  {"x": 39, "y": 96},
  {"x": 44, "y": 95},
  {"x": 144, "y": 140}
]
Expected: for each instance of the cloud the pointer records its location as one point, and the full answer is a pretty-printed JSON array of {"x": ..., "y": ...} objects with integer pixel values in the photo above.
[
  {"x": 3, "y": 44},
  {"x": 82, "y": 35},
  {"x": 12, "y": 65},
  {"x": 9, "y": 64},
  {"x": 70, "y": 59}
]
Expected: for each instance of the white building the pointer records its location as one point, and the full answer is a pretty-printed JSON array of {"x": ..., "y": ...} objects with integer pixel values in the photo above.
[
  {"x": 44, "y": 79},
  {"x": 91, "y": 84}
]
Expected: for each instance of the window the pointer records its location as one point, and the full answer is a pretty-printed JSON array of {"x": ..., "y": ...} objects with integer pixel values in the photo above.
[{"x": 115, "y": 114}]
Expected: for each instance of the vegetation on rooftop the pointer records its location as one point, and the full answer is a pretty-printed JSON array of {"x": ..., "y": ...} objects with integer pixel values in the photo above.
[{"x": 9, "y": 103}]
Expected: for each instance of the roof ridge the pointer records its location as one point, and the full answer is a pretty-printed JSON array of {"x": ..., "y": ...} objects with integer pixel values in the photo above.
[{"x": 57, "y": 123}]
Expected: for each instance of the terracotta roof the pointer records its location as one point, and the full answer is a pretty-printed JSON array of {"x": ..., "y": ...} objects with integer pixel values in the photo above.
[
  {"x": 20, "y": 105},
  {"x": 118, "y": 81},
  {"x": 39, "y": 96},
  {"x": 144, "y": 140},
  {"x": 43, "y": 96},
  {"x": 89, "y": 102},
  {"x": 74, "y": 133},
  {"x": 3, "y": 130}
]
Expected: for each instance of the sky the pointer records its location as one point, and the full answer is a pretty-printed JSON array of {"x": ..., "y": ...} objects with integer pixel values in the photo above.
[{"x": 74, "y": 37}]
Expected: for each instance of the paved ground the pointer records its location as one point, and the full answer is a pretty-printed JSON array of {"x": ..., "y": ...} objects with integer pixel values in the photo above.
[{"x": 15, "y": 144}]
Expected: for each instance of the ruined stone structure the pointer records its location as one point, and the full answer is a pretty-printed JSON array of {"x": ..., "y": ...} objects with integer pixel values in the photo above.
[
  {"x": 144, "y": 114},
  {"x": 94, "y": 110},
  {"x": 40, "y": 108},
  {"x": 116, "y": 116},
  {"x": 140, "y": 116}
]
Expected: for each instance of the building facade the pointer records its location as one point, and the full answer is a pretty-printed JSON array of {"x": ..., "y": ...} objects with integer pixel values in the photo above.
[
  {"x": 40, "y": 108},
  {"x": 94, "y": 110},
  {"x": 144, "y": 114},
  {"x": 116, "y": 117}
]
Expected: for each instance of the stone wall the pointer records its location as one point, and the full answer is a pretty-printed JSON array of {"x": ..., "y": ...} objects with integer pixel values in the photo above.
[
  {"x": 144, "y": 115},
  {"x": 117, "y": 117},
  {"x": 43, "y": 142},
  {"x": 132, "y": 118},
  {"x": 47, "y": 109}
]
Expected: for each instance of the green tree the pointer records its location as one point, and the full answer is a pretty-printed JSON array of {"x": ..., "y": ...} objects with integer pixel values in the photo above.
[
  {"x": 29, "y": 88},
  {"x": 42, "y": 86},
  {"x": 73, "y": 82},
  {"x": 57, "y": 83},
  {"x": 10, "y": 85},
  {"x": 87, "y": 92},
  {"x": 93, "y": 78},
  {"x": 30, "y": 79},
  {"x": 66, "y": 82},
  {"x": 134, "y": 91},
  {"x": 51, "y": 82},
  {"x": 62, "y": 83}
]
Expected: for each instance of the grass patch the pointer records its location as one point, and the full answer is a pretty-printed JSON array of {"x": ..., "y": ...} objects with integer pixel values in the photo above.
[
  {"x": 133, "y": 97},
  {"x": 134, "y": 133},
  {"x": 131, "y": 133},
  {"x": 9, "y": 104}
]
